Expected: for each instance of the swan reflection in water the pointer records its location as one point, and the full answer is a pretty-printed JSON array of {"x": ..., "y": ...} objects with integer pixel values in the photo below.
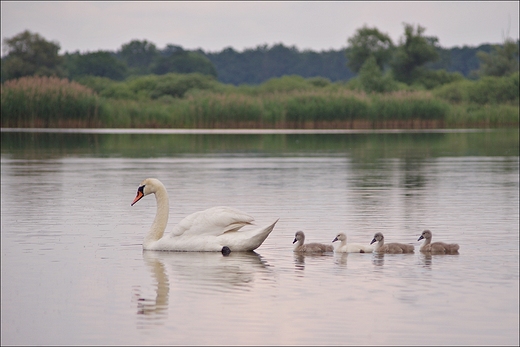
[
  {"x": 204, "y": 271},
  {"x": 378, "y": 259},
  {"x": 426, "y": 258},
  {"x": 299, "y": 258},
  {"x": 340, "y": 258},
  {"x": 158, "y": 305}
]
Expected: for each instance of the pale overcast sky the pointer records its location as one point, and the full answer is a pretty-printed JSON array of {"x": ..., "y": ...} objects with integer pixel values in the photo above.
[{"x": 214, "y": 25}]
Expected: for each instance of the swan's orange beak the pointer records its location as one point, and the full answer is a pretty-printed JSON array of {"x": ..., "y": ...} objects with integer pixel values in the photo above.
[{"x": 138, "y": 197}]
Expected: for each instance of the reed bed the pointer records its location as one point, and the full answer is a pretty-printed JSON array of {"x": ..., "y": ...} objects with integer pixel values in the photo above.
[
  {"x": 48, "y": 102},
  {"x": 212, "y": 110},
  {"x": 483, "y": 116},
  {"x": 315, "y": 106},
  {"x": 304, "y": 109},
  {"x": 404, "y": 105},
  {"x": 51, "y": 102}
]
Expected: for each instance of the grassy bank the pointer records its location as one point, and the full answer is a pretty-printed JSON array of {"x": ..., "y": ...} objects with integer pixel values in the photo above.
[{"x": 156, "y": 102}]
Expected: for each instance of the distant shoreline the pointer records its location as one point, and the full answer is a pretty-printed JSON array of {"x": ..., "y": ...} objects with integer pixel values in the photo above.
[{"x": 235, "y": 131}]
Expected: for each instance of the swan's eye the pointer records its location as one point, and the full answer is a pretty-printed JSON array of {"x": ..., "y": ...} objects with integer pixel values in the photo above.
[{"x": 141, "y": 189}]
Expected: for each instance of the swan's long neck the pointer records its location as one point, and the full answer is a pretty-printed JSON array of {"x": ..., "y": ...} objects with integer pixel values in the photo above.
[
  {"x": 379, "y": 244},
  {"x": 161, "y": 217},
  {"x": 298, "y": 244},
  {"x": 425, "y": 243}
]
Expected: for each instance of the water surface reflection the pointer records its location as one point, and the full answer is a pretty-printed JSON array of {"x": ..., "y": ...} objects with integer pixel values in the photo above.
[
  {"x": 73, "y": 269},
  {"x": 362, "y": 146}
]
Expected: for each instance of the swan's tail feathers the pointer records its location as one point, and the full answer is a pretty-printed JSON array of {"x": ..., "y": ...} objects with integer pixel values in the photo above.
[
  {"x": 246, "y": 240},
  {"x": 236, "y": 226},
  {"x": 261, "y": 235},
  {"x": 271, "y": 227}
]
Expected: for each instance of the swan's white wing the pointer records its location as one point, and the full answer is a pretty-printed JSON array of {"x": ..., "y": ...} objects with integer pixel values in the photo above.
[{"x": 213, "y": 221}]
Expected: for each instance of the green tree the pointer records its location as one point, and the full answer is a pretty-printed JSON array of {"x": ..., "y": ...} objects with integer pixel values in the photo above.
[
  {"x": 255, "y": 66},
  {"x": 30, "y": 54},
  {"x": 100, "y": 63},
  {"x": 413, "y": 52},
  {"x": 181, "y": 61},
  {"x": 177, "y": 85},
  {"x": 366, "y": 43},
  {"x": 138, "y": 55},
  {"x": 501, "y": 61},
  {"x": 372, "y": 78},
  {"x": 435, "y": 78}
]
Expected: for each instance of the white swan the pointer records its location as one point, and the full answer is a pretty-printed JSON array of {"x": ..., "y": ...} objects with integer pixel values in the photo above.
[
  {"x": 208, "y": 230},
  {"x": 300, "y": 247},
  {"x": 436, "y": 247},
  {"x": 345, "y": 247},
  {"x": 393, "y": 247}
]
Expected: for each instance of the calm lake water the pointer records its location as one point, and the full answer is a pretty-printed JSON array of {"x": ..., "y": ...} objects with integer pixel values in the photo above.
[{"x": 74, "y": 272}]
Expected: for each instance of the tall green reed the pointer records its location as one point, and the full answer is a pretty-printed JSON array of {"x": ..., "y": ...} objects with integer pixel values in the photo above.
[
  {"x": 407, "y": 106},
  {"x": 292, "y": 109},
  {"x": 48, "y": 102}
]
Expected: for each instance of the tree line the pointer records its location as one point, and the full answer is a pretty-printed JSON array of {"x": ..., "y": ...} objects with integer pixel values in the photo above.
[
  {"x": 374, "y": 82},
  {"x": 378, "y": 63}
]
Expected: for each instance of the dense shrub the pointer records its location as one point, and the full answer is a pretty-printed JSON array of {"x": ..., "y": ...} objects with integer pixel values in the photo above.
[
  {"x": 494, "y": 90},
  {"x": 431, "y": 79},
  {"x": 96, "y": 83},
  {"x": 285, "y": 84},
  {"x": 455, "y": 92},
  {"x": 487, "y": 90},
  {"x": 319, "y": 81}
]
